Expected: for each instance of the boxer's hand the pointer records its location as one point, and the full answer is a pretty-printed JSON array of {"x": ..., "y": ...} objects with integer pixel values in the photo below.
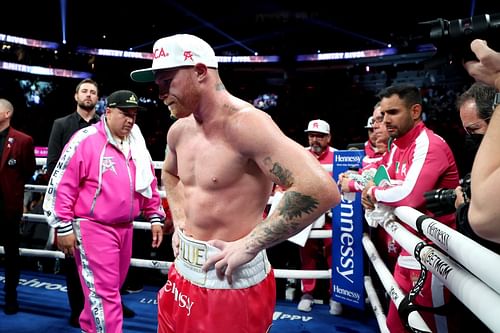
[
  {"x": 232, "y": 256},
  {"x": 175, "y": 242}
]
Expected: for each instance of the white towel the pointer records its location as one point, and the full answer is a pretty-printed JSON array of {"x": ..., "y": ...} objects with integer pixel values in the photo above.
[{"x": 143, "y": 174}]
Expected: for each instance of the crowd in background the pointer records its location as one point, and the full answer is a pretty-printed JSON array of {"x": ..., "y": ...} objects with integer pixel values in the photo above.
[
  {"x": 340, "y": 100},
  {"x": 344, "y": 105}
]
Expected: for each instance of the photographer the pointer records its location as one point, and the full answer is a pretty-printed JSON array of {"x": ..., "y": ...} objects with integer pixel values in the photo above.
[
  {"x": 484, "y": 211},
  {"x": 475, "y": 110}
]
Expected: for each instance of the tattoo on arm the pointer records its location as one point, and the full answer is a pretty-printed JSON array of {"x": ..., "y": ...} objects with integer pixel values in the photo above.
[
  {"x": 284, "y": 175},
  {"x": 293, "y": 206}
]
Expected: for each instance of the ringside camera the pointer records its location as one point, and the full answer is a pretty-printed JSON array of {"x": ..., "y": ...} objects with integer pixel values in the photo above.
[
  {"x": 442, "y": 201},
  {"x": 453, "y": 37}
]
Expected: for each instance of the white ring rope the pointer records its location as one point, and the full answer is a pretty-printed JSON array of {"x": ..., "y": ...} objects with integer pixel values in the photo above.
[
  {"x": 279, "y": 273},
  {"x": 157, "y": 264},
  {"x": 35, "y": 188},
  {"x": 376, "y": 306},
  {"x": 41, "y": 161},
  {"x": 463, "y": 251},
  {"x": 390, "y": 284},
  {"x": 28, "y": 217},
  {"x": 459, "y": 247},
  {"x": 465, "y": 286}
]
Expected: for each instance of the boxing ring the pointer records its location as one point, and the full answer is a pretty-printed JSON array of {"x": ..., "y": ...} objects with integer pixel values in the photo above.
[{"x": 466, "y": 268}]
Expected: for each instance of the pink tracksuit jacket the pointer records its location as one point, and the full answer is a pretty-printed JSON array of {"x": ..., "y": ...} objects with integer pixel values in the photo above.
[
  {"x": 96, "y": 187},
  {"x": 92, "y": 193}
]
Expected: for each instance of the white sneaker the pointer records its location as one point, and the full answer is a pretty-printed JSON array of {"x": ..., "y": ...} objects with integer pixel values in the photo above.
[
  {"x": 335, "y": 308},
  {"x": 305, "y": 303}
]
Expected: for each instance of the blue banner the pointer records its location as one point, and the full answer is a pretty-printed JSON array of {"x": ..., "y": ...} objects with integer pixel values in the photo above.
[{"x": 347, "y": 232}]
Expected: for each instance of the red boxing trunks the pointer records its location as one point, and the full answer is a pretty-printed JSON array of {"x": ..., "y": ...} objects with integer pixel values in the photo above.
[{"x": 197, "y": 301}]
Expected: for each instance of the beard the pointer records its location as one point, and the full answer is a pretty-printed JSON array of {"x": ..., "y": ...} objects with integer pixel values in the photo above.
[
  {"x": 87, "y": 106},
  {"x": 317, "y": 149}
]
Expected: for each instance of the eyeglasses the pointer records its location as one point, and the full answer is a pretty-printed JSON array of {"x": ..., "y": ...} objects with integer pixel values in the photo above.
[{"x": 475, "y": 126}]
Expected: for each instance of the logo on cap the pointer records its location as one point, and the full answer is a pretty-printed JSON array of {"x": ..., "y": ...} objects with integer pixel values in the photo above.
[
  {"x": 188, "y": 55},
  {"x": 319, "y": 126},
  {"x": 132, "y": 99},
  {"x": 158, "y": 53}
]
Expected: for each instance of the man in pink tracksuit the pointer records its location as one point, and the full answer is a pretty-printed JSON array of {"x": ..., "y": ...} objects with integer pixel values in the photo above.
[{"x": 102, "y": 181}]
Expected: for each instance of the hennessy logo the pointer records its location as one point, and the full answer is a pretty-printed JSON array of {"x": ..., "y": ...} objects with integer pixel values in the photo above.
[{"x": 182, "y": 300}]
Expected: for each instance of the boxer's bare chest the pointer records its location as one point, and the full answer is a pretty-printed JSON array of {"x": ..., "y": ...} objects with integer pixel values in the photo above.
[{"x": 209, "y": 162}]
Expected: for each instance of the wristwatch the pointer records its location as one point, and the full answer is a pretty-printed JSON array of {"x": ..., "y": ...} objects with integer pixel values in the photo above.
[{"x": 496, "y": 101}]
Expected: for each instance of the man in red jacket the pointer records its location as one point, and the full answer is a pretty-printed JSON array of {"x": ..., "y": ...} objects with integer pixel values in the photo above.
[
  {"x": 319, "y": 138},
  {"x": 17, "y": 165},
  {"x": 418, "y": 161}
]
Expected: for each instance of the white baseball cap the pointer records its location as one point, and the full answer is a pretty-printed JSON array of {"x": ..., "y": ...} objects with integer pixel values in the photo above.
[
  {"x": 369, "y": 123},
  {"x": 177, "y": 51},
  {"x": 319, "y": 126}
]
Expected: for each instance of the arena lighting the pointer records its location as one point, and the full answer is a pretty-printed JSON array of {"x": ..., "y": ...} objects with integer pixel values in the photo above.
[
  {"x": 346, "y": 55},
  {"x": 115, "y": 53},
  {"x": 63, "y": 20},
  {"x": 222, "y": 59},
  {"x": 38, "y": 70},
  {"x": 148, "y": 56},
  {"x": 28, "y": 42},
  {"x": 211, "y": 26},
  {"x": 248, "y": 59}
]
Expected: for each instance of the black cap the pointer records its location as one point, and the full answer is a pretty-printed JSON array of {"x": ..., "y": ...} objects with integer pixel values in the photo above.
[{"x": 124, "y": 99}]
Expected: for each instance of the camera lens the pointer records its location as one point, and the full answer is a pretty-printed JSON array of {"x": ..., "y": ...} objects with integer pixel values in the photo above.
[
  {"x": 454, "y": 37},
  {"x": 440, "y": 201}
]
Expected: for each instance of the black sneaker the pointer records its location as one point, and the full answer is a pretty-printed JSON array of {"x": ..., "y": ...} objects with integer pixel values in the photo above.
[
  {"x": 74, "y": 321},
  {"x": 11, "y": 308},
  {"x": 133, "y": 289},
  {"x": 127, "y": 312}
]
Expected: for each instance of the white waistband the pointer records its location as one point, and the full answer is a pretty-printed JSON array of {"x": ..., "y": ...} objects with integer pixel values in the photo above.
[{"x": 194, "y": 253}]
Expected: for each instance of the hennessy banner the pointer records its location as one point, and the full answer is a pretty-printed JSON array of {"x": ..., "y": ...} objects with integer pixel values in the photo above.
[{"x": 347, "y": 234}]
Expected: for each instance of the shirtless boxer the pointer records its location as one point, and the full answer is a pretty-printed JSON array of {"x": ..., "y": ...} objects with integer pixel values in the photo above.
[{"x": 223, "y": 156}]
